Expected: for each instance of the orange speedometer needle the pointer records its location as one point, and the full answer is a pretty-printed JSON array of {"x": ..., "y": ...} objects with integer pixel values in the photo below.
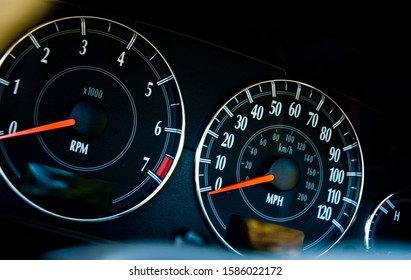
[
  {"x": 247, "y": 183},
  {"x": 42, "y": 128}
]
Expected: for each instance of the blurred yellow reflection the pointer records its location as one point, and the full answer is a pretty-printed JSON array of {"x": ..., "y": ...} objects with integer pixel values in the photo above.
[
  {"x": 16, "y": 16},
  {"x": 252, "y": 234}
]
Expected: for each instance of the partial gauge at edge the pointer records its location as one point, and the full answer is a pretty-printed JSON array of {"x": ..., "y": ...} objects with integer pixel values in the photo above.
[
  {"x": 387, "y": 230},
  {"x": 279, "y": 169},
  {"x": 91, "y": 117}
]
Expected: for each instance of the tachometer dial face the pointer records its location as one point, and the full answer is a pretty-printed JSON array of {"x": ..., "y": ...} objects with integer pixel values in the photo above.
[
  {"x": 91, "y": 118},
  {"x": 279, "y": 168}
]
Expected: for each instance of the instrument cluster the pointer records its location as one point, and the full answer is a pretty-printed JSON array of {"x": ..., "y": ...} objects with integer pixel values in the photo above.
[{"x": 258, "y": 138}]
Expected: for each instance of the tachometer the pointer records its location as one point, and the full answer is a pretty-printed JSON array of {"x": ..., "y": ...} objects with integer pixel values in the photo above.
[
  {"x": 91, "y": 118},
  {"x": 279, "y": 168}
]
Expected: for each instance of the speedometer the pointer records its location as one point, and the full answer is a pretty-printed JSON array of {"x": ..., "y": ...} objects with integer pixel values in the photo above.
[{"x": 279, "y": 169}]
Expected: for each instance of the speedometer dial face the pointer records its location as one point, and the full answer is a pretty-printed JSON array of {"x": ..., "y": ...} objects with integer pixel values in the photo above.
[
  {"x": 279, "y": 168},
  {"x": 91, "y": 119}
]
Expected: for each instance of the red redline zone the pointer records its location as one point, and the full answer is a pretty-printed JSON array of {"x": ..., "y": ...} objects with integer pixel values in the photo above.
[{"x": 164, "y": 167}]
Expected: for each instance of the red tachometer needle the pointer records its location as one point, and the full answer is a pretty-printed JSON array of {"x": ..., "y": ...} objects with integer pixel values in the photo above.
[
  {"x": 42, "y": 128},
  {"x": 247, "y": 183}
]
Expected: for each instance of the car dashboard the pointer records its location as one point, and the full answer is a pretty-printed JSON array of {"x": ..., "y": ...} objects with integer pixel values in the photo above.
[{"x": 202, "y": 134}]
